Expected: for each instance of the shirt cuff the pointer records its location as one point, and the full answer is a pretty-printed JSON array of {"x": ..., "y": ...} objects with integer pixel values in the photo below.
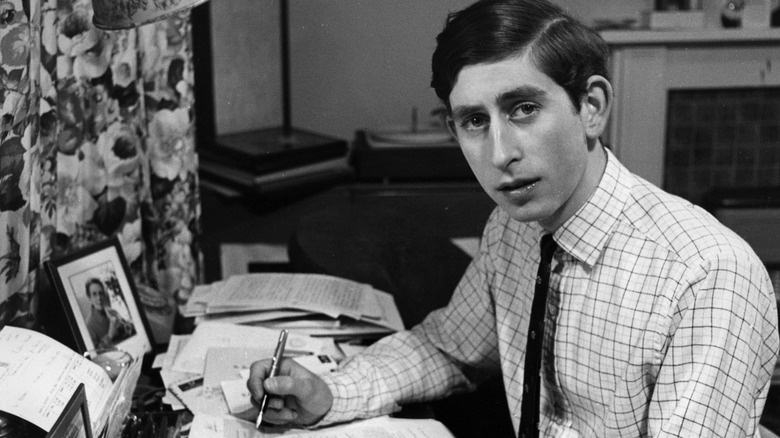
[{"x": 347, "y": 400}]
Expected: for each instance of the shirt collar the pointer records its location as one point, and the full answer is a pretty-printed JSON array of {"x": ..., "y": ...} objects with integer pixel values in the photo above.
[{"x": 585, "y": 234}]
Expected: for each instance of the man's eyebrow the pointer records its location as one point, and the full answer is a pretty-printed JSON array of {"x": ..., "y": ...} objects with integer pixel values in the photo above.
[
  {"x": 524, "y": 92},
  {"x": 460, "y": 112}
]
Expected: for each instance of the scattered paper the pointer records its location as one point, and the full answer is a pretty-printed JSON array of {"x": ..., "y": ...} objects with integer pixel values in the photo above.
[
  {"x": 169, "y": 377},
  {"x": 259, "y": 316},
  {"x": 235, "y": 257},
  {"x": 158, "y": 361},
  {"x": 326, "y": 294},
  {"x": 469, "y": 245},
  {"x": 192, "y": 358},
  {"x": 317, "y": 364},
  {"x": 227, "y": 364},
  {"x": 237, "y": 396},
  {"x": 230, "y": 363},
  {"x": 211, "y": 426}
]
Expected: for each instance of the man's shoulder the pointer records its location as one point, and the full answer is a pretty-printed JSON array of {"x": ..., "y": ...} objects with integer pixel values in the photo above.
[{"x": 682, "y": 227}]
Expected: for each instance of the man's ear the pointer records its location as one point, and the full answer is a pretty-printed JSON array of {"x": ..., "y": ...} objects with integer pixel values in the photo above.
[
  {"x": 451, "y": 126},
  {"x": 595, "y": 106}
]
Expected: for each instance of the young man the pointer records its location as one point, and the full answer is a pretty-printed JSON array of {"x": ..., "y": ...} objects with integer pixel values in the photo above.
[{"x": 658, "y": 320}]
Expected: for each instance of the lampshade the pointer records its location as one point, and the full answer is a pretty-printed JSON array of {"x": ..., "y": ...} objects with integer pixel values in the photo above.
[{"x": 125, "y": 14}]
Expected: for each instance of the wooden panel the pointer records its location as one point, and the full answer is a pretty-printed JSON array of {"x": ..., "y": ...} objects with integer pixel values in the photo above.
[
  {"x": 639, "y": 127},
  {"x": 710, "y": 67}
]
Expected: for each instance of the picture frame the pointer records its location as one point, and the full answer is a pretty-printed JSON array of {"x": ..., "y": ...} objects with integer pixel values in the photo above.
[
  {"x": 114, "y": 317},
  {"x": 74, "y": 420}
]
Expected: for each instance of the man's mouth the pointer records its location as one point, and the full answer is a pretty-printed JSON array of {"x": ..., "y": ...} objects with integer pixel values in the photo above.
[{"x": 519, "y": 184}]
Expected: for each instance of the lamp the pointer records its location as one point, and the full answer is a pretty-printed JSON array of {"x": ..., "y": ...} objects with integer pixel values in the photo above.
[{"x": 126, "y": 14}]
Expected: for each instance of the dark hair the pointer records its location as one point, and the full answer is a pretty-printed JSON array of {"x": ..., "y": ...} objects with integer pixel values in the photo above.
[
  {"x": 560, "y": 46},
  {"x": 92, "y": 281}
]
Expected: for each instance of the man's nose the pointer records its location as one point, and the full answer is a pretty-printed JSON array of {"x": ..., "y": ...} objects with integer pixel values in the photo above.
[{"x": 505, "y": 144}]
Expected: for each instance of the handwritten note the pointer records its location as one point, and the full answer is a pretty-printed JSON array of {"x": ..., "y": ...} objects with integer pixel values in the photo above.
[
  {"x": 332, "y": 296},
  {"x": 38, "y": 376},
  {"x": 192, "y": 358}
]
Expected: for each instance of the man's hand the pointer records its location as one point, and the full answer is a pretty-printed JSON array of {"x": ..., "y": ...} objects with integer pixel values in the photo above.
[{"x": 296, "y": 396}]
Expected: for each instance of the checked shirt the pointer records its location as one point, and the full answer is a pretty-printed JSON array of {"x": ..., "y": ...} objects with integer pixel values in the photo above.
[{"x": 659, "y": 322}]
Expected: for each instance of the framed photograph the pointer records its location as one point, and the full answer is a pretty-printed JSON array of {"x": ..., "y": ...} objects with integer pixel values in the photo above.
[
  {"x": 74, "y": 420},
  {"x": 100, "y": 300}
]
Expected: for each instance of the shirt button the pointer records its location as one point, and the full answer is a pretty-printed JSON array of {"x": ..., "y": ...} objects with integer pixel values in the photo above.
[{"x": 553, "y": 310}]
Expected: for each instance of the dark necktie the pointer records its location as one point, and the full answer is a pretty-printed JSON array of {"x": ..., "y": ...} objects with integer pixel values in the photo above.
[{"x": 529, "y": 414}]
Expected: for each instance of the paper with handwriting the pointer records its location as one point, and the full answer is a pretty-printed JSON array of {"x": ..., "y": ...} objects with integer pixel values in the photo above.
[
  {"x": 192, "y": 358},
  {"x": 38, "y": 375},
  {"x": 210, "y": 426}
]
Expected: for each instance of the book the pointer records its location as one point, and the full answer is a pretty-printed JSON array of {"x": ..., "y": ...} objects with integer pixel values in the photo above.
[{"x": 267, "y": 150}]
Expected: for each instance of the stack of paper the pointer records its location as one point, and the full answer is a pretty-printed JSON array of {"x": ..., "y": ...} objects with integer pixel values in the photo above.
[
  {"x": 207, "y": 370},
  {"x": 239, "y": 321},
  {"x": 311, "y": 304}
]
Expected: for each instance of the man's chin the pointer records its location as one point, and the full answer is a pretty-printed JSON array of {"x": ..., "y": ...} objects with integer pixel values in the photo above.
[{"x": 523, "y": 213}]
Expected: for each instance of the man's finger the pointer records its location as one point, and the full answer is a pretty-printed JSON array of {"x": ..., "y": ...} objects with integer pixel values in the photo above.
[
  {"x": 275, "y": 403},
  {"x": 280, "y": 416},
  {"x": 286, "y": 385},
  {"x": 257, "y": 373}
]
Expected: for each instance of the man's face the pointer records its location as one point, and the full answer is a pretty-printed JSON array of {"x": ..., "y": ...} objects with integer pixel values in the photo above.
[
  {"x": 524, "y": 140},
  {"x": 97, "y": 296}
]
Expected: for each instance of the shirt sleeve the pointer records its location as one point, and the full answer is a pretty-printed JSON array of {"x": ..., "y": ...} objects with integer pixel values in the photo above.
[
  {"x": 722, "y": 349},
  {"x": 448, "y": 352}
]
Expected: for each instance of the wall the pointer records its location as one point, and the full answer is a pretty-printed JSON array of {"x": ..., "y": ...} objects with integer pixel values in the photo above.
[{"x": 355, "y": 63}]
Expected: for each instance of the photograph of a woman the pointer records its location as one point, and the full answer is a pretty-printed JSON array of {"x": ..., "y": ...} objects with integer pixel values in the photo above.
[{"x": 106, "y": 324}]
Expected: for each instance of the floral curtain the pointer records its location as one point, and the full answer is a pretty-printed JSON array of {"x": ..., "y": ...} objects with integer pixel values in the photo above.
[{"x": 96, "y": 141}]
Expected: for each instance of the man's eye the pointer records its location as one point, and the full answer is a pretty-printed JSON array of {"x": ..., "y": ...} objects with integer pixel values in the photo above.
[
  {"x": 524, "y": 110},
  {"x": 474, "y": 123}
]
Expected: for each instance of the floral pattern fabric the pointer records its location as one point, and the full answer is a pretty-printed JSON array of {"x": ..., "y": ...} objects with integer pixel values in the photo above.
[{"x": 96, "y": 140}]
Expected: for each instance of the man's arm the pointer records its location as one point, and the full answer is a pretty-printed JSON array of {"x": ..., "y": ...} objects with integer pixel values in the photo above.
[
  {"x": 451, "y": 350},
  {"x": 716, "y": 371}
]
